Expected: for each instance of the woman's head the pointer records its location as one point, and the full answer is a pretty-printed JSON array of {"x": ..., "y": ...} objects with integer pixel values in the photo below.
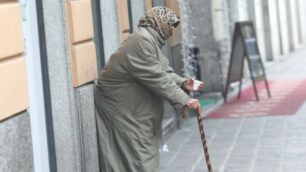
[{"x": 162, "y": 19}]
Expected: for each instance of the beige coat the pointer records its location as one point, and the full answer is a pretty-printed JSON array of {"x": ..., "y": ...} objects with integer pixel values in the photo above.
[{"x": 129, "y": 104}]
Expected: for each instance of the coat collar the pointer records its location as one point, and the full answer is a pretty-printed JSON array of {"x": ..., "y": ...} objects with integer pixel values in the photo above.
[{"x": 159, "y": 40}]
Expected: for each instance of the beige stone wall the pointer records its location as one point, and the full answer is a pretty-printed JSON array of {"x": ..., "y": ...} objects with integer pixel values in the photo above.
[
  {"x": 148, "y": 4},
  {"x": 83, "y": 50},
  {"x": 177, "y": 35},
  {"x": 124, "y": 25},
  {"x": 13, "y": 81}
]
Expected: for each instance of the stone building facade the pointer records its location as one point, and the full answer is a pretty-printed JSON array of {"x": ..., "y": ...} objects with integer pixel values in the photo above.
[{"x": 51, "y": 52}]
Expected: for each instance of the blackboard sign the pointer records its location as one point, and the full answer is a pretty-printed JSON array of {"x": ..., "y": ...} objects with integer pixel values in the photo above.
[{"x": 244, "y": 46}]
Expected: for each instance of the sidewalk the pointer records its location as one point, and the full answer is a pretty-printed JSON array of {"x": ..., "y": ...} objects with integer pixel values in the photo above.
[{"x": 248, "y": 144}]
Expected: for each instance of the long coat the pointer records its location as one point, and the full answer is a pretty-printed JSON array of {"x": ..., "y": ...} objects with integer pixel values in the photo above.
[{"x": 129, "y": 104}]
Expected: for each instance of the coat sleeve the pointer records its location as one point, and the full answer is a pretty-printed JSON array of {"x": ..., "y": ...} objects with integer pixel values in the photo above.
[
  {"x": 175, "y": 77},
  {"x": 144, "y": 66}
]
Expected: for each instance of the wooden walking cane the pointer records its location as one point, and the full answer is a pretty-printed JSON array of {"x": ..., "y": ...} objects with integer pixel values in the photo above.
[{"x": 204, "y": 143}]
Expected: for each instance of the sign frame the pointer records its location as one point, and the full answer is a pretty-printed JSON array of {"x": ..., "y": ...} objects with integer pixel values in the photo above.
[{"x": 245, "y": 31}]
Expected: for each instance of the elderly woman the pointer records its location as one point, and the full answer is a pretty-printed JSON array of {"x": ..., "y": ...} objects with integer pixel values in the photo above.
[{"x": 129, "y": 95}]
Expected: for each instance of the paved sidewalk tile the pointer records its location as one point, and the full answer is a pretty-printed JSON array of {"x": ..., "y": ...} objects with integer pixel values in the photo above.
[{"x": 254, "y": 144}]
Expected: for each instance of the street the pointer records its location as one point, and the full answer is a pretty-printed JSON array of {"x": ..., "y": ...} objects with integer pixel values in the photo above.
[{"x": 246, "y": 144}]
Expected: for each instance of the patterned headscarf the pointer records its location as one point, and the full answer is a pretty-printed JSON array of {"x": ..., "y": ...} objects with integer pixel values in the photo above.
[{"x": 161, "y": 19}]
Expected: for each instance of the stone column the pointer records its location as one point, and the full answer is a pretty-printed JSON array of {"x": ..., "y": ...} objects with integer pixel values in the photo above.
[
  {"x": 138, "y": 10},
  {"x": 198, "y": 15},
  {"x": 301, "y": 20},
  {"x": 16, "y": 149},
  {"x": 87, "y": 128},
  {"x": 271, "y": 29},
  {"x": 222, "y": 34},
  {"x": 66, "y": 135},
  {"x": 283, "y": 20},
  {"x": 110, "y": 27},
  {"x": 303, "y": 14},
  {"x": 16, "y": 153},
  {"x": 266, "y": 11},
  {"x": 292, "y": 25},
  {"x": 260, "y": 28},
  {"x": 274, "y": 28},
  {"x": 73, "y": 111},
  {"x": 158, "y": 2}
]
